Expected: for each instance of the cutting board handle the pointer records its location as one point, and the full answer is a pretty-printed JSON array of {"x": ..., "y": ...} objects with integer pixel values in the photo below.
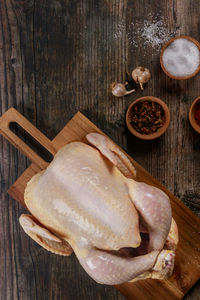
[{"x": 12, "y": 115}]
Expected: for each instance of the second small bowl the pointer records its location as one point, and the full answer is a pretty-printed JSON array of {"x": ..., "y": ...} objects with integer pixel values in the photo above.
[
  {"x": 160, "y": 131},
  {"x": 166, "y": 45},
  {"x": 192, "y": 120}
]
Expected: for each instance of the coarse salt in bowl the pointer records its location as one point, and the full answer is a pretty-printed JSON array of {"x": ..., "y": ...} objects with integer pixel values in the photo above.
[{"x": 180, "y": 57}]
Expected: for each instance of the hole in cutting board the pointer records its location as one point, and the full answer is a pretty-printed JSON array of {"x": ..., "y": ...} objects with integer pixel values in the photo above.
[{"x": 30, "y": 141}]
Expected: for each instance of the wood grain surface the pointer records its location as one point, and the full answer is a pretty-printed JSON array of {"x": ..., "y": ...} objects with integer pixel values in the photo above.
[{"x": 60, "y": 56}]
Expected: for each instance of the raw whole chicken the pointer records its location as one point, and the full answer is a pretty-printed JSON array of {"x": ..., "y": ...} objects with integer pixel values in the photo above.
[{"x": 87, "y": 201}]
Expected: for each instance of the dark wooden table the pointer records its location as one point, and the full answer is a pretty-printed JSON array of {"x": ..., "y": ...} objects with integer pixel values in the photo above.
[{"x": 60, "y": 56}]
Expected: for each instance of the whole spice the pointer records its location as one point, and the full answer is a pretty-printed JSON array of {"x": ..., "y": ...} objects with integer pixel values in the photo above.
[
  {"x": 141, "y": 75},
  {"x": 197, "y": 113},
  {"x": 119, "y": 89},
  {"x": 147, "y": 117}
]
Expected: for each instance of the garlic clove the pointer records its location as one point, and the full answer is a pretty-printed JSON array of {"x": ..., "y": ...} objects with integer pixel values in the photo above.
[
  {"x": 141, "y": 75},
  {"x": 119, "y": 90}
]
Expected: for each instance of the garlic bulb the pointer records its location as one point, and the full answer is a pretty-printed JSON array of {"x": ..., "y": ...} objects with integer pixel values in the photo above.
[
  {"x": 119, "y": 90},
  {"x": 141, "y": 75}
]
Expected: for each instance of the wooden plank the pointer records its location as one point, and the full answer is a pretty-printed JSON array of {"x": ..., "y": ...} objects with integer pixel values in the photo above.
[{"x": 187, "y": 264}]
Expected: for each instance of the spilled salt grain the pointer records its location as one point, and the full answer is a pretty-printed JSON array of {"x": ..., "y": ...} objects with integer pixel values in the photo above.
[
  {"x": 152, "y": 32},
  {"x": 181, "y": 57},
  {"x": 120, "y": 29}
]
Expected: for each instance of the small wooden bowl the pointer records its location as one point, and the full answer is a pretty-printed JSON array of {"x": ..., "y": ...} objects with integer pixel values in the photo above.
[
  {"x": 160, "y": 131},
  {"x": 166, "y": 45},
  {"x": 192, "y": 120}
]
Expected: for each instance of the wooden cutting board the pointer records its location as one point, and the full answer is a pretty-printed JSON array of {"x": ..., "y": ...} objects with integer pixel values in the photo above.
[{"x": 187, "y": 265}]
